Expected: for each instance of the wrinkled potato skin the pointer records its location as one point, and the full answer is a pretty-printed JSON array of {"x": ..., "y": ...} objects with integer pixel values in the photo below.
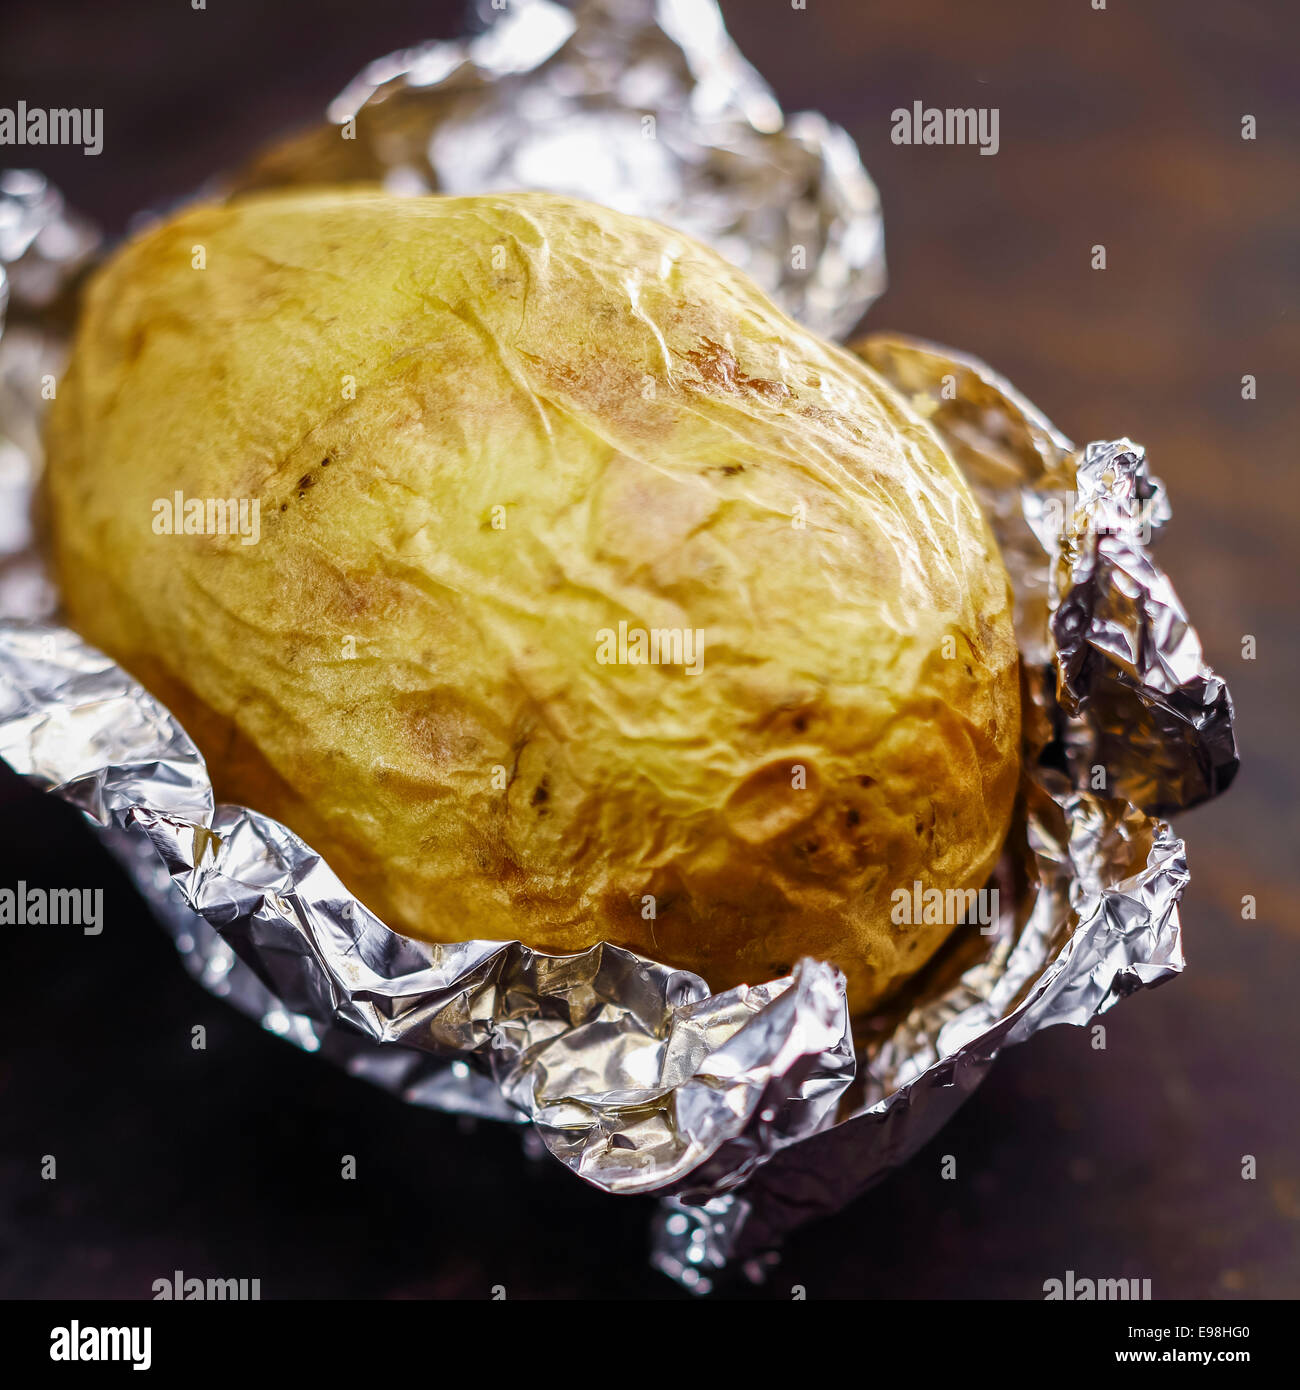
[{"x": 649, "y": 422}]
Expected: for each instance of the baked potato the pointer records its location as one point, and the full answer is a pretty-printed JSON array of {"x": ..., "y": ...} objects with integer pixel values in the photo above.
[{"x": 549, "y": 581}]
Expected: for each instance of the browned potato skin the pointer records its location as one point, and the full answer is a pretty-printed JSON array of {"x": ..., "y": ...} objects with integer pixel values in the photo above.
[{"x": 655, "y": 431}]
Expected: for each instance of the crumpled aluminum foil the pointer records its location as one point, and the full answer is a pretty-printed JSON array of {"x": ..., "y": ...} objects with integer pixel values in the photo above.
[{"x": 753, "y": 1110}]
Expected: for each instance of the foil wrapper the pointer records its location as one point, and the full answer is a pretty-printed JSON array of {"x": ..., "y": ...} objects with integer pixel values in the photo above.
[{"x": 756, "y": 1109}]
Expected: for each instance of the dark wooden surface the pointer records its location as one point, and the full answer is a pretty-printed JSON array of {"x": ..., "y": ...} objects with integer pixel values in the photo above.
[{"x": 1119, "y": 127}]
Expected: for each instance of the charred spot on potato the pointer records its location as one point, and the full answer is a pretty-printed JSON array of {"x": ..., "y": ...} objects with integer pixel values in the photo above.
[{"x": 719, "y": 369}]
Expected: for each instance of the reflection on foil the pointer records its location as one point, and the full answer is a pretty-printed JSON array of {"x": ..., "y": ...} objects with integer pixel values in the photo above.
[
  {"x": 757, "y": 1109},
  {"x": 43, "y": 249}
]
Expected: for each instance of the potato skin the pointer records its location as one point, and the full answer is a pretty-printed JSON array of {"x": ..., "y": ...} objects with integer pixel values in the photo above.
[{"x": 409, "y": 679}]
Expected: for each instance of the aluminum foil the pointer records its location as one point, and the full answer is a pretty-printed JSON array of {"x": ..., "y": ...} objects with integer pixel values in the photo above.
[{"x": 753, "y": 1110}]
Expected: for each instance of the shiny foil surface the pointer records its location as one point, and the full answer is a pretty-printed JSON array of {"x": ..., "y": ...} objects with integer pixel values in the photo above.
[{"x": 753, "y": 1110}]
